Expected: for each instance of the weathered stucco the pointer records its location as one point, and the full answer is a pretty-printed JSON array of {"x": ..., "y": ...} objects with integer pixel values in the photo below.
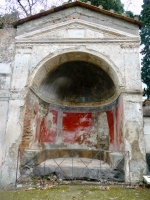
[
  {"x": 78, "y": 12},
  {"x": 31, "y": 121},
  {"x": 7, "y": 45}
]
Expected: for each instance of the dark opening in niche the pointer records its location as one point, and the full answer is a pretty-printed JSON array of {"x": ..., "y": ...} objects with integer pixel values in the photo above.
[{"x": 78, "y": 81}]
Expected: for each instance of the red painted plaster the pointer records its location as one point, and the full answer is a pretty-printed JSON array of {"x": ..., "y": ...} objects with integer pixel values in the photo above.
[
  {"x": 110, "y": 119},
  {"x": 38, "y": 122},
  {"x": 48, "y": 127},
  {"x": 76, "y": 127},
  {"x": 119, "y": 126}
]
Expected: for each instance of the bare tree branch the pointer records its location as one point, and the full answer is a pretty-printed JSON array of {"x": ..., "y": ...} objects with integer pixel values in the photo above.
[
  {"x": 17, "y": 9},
  {"x": 23, "y": 7},
  {"x": 30, "y": 7},
  {"x": 128, "y": 2}
]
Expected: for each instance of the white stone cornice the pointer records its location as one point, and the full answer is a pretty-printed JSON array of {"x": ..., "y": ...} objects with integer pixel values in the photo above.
[{"x": 79, "y": 40}]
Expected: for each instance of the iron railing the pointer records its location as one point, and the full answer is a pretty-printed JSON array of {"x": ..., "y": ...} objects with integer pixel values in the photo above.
[{"x": 72, "y": 164}]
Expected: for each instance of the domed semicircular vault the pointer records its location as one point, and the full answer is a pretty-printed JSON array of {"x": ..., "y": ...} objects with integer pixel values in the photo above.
[{"x": 77, "y": 81}]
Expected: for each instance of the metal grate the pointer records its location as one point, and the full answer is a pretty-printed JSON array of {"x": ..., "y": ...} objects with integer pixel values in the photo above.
[{"x": 71, "y": 164}]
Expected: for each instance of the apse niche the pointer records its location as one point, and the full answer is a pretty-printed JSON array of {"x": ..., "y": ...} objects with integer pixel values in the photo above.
[
  {"x": 79, "y": 82},
  {"x": 72, "y": 117},
  {"x": 75, "y": 113},
  {"x": 73, "y": 110}
]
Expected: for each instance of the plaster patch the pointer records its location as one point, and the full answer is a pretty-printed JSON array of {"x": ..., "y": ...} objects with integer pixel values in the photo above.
[{"x": 132, "y": 135}]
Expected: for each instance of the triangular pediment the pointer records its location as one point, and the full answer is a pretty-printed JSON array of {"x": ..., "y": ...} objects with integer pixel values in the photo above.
[{"x": 74, "y": 28}]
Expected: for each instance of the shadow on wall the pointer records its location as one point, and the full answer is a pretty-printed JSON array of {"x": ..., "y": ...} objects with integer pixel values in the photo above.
[{"x": 78, "y": 81}]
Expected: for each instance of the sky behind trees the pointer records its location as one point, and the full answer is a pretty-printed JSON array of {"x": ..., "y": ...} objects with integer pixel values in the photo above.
[{"x": 133, "y": 5}]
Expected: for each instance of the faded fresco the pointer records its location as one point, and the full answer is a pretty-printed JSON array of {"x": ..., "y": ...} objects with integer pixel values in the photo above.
[{"x": 58, "y": 127}]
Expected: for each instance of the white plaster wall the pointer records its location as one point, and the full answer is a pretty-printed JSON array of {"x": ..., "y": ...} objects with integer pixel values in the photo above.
[
  {"x": 134, "y": 137},
  {"x": 147, "y": 133},
  {"x": 20, "y": 70},
  {"x": 12, "y": 141},
  {"x": 3, "y": 114},
  {"x": 5, "y": 68},
  {"x": 132, "y": 69},
  {"x": 5, "y": 79}
]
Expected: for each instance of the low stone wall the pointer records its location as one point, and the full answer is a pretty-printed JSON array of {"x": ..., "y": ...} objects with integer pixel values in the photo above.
[{"x": 146, "y": 119}]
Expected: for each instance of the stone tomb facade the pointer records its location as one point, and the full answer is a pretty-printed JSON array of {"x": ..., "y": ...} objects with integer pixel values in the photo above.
[{"x": 70, "y": 79}]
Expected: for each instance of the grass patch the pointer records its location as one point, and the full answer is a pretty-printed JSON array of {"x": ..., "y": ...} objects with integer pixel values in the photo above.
[{"x": 78, "y": 192}]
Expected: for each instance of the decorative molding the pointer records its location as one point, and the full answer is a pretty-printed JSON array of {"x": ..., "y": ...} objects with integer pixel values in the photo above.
[
  {"x": 16, "y": 96},
  {"x": 129, "y": 45},
  {"x": 25, "y": 49},
  {"x": 122, "y": 90},
  {"x": 75, "y": 28},
  {"x": 12, "y": 95},
  {"x": 4, "y": 96},
  {"x": 79, "y": 40}
]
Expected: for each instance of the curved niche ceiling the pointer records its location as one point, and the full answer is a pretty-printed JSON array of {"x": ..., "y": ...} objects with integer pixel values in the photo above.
[{"x": 77, "y": 81}]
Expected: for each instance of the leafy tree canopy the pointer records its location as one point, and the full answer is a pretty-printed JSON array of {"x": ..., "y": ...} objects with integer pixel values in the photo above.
[{"x": 145, "y": 41}]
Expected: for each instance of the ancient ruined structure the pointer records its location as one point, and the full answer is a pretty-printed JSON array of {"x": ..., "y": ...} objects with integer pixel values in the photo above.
[{"x": 70, "y": 79}]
